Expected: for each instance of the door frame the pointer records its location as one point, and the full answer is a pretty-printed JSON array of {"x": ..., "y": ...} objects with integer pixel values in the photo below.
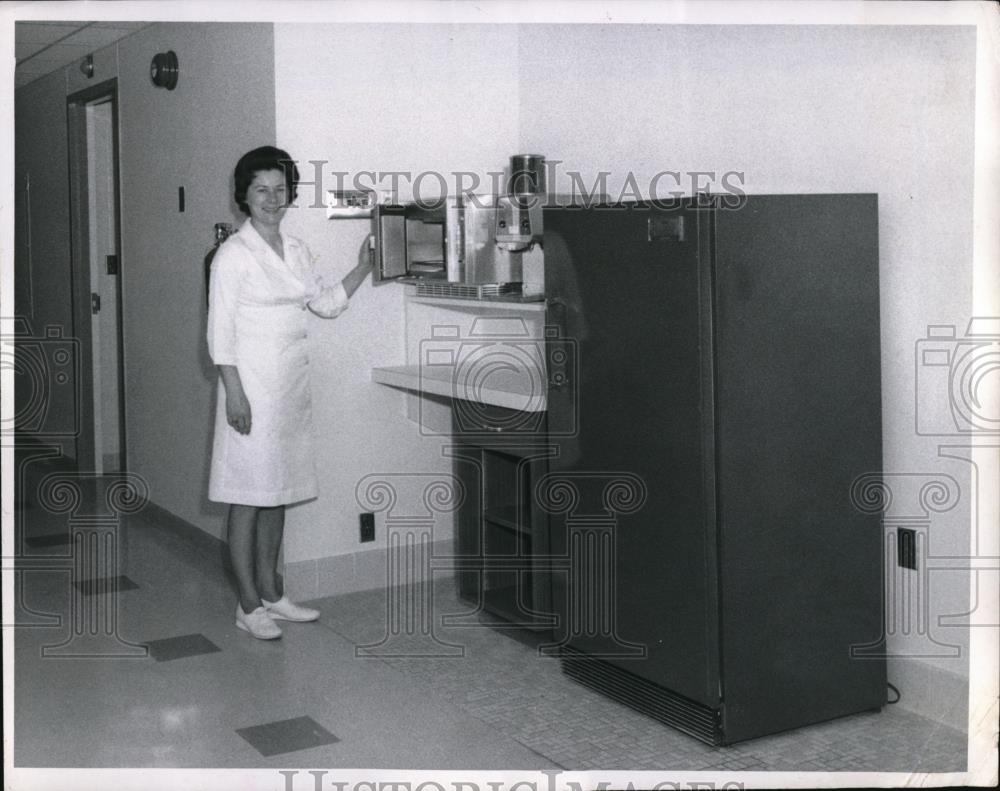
[{"x": 76, "y": 126}]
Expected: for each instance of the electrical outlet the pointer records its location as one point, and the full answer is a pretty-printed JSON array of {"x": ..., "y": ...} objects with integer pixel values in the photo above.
[
  {"x": 367, "y": 527},
  {"x": 906, "y": 547}
]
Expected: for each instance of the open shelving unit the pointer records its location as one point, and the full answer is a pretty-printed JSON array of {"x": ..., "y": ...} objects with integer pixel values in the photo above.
[{"x": 501, "y": 533}]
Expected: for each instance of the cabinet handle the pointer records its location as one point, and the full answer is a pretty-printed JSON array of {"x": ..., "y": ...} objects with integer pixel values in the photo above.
[{"x": 27, "y": 231}]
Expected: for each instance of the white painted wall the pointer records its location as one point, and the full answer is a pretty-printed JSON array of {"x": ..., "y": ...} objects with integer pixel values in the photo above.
[
  {"x": 379, "y": 98},
  {"x": 189, "y": 137}
]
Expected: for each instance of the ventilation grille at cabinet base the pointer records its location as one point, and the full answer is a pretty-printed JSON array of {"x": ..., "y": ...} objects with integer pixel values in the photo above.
[
  {"x": 644, "y": 696},
  {"x": 466, "y": 291}
]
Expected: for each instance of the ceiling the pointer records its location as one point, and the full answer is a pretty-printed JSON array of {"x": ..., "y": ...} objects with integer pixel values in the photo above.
[{"x": 44, "y": 47}]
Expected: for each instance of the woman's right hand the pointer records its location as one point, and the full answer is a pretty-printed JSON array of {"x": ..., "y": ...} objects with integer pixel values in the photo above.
[{"x": 238, "y": 411}]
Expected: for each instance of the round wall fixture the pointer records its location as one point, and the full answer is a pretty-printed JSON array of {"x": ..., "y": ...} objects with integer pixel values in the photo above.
[
  {"x": 87, "y": 66},
  {"x": 163, "y": 70}
]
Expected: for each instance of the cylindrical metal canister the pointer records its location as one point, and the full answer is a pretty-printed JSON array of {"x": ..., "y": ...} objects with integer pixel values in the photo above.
[{"x": 527, "y": 175}]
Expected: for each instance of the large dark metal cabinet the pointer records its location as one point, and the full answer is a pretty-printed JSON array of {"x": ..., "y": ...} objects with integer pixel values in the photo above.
[{"x": 708, "y": 565}]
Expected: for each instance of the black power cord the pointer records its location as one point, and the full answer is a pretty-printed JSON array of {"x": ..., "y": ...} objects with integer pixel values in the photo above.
[{"x": 898, "y": 694}]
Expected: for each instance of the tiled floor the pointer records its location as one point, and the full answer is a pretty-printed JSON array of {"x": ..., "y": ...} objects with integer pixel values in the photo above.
[{"x": 169, "y": 681}]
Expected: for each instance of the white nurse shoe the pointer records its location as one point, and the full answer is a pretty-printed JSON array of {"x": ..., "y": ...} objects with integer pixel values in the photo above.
[
  {"x": 258, "y": 623},
  {"x": 286, "y": 610}
]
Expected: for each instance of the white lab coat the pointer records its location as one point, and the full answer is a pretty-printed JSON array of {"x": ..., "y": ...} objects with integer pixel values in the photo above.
[{"x": 257, "y": 321}]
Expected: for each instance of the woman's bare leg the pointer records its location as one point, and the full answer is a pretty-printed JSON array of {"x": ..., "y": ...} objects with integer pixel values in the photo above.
[
  {"x": 242, "y": 526},
  {"x": 270, "y": 528}
]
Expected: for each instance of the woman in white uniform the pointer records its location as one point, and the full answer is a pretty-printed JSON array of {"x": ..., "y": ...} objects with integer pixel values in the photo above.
[{"x": 262, "y": 284}]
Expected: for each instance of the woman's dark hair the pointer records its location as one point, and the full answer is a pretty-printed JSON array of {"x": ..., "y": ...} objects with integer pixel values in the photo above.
[{"x": 260, "y": 159}]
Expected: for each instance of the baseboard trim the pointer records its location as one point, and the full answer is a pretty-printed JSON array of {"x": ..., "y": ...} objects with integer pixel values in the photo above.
[
  {"x": 931, "y": 691},
  {"x": 304, "y": 579},
  {"x": 212, "y": 548},
  {"x": 358, "y": 571}
]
